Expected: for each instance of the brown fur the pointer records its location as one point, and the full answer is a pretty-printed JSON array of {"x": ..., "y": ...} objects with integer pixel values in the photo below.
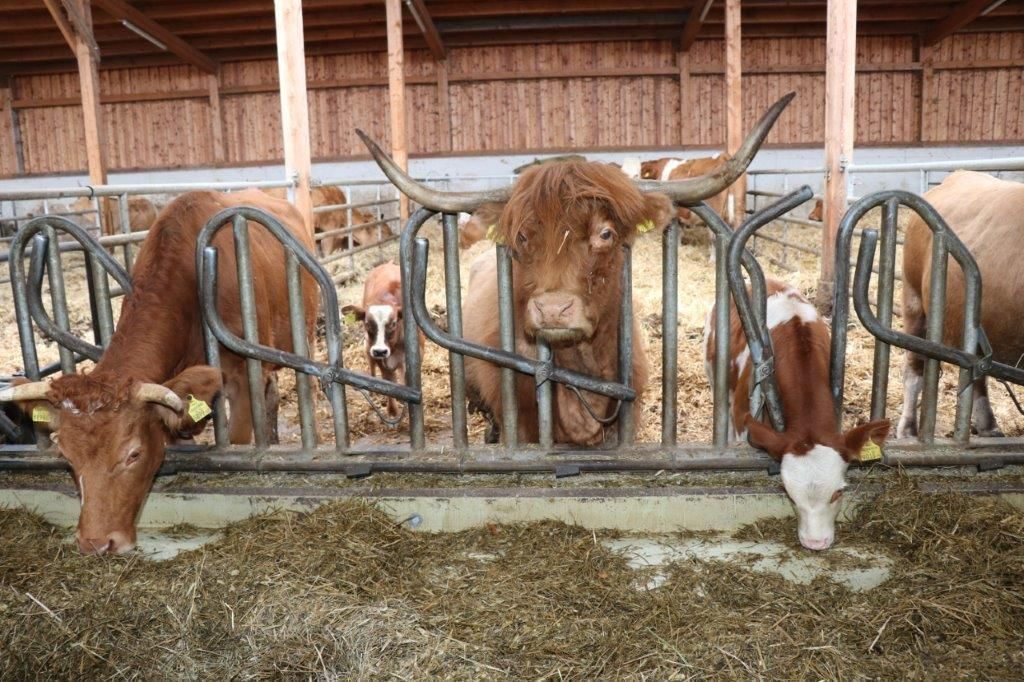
[
  {"x": 652, "y": 170},
  {"x": 553, "y": 222},
  {"x": 328, "y": 195},
  {"x": 817, "y": 212},
  {"x": 475, "y": 227}
]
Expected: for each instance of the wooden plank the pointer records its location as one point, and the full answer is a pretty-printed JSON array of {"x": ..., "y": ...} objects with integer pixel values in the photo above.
[
  {"x": 56, "y": 10},
  {"x": 694, "y": 22},
  {"x": 10, "y": 114},
  {"x": 961, "y": 17},
  {"x": 686, "y": 134},
  {"x": 421, "y": 16},
  {"x": 929, "y": 95},
  {"x": 396, "y": 93},
  {"x": 444, "y": 106},
  {"x": 291, "y": 68},
  {"x": 216, "y": 119},
  {"x": 841, "y": 54},
  {"x": 736, "y": 211},
  {"x": 125, "y": 12}
]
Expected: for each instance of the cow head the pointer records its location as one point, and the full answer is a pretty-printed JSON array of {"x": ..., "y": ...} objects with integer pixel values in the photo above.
[
  {"x": 113, "y": 433},
  {"x": 813, "y": 472},
  {"x": 652, "y": 170},
  {"x": 565, "y": 224},
  {"x": 383, "y": 324}
]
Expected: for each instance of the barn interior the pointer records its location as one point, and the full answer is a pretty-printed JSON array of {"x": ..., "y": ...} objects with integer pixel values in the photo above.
[{"x": 673, "y": 554}]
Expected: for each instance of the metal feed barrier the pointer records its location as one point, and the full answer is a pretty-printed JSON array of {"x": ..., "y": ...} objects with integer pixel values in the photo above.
[{"x": 460, "y": 456}]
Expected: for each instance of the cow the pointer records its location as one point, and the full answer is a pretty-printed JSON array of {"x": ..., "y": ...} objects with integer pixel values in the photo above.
[
  {"x": 812, "y": 451},
  {"x": 817, "y": 212},
  {"x": 381, "y": 315},
  {"x": 337, "y": 219},
  {"x": 666, "y": 169},
  {"x": 474, "y": 227},
  {"x": 987, "y": 214},
  {"x": 566, "y": 224},
  {"x": 152, "y": 385}
]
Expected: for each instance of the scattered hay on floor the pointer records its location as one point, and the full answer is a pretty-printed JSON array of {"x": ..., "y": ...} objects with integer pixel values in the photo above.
[{"x": 344, "y": 591}]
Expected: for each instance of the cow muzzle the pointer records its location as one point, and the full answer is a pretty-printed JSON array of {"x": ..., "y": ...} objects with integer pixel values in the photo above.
[
  {"x": 113, "y": 543},
  {"x": 558, "y": 318}
]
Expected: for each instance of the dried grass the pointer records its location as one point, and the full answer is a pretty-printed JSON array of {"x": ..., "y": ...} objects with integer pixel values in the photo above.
[{"x": 346, "y": 592}]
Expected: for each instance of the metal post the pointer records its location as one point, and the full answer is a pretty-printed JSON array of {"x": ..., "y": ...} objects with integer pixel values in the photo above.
[
  {"x": 126, "y": 228},
  {"x": 721, "y": 365},
  {"x": 413, "y": 357},
  {"x": 58, "y": 295},
  {"x": 886, "y": 285},
  {"x": 627, "y": 426},
  {"x": 297, "y": 315},
  {"x": 936, "y": 316},
  {"x": 669, "y": 331},
  {"x": 544, "y": 403},
  {"x": 250, "y": 328},
  {"x": 220, "y": 423},
  {"x": 509, "y": 402},
  {"x": 453, "y": 301}
]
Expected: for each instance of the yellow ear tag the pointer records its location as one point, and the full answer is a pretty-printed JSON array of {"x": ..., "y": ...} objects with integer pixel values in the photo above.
[
  {"x": 197, "y": 409},
  {"x": 870, "y": 452},
  {"x": 645, "y": 227},
  {"x": 492, "y": 234},
  {"x": 350, "y": 318},
  {"x": 40, "y": 414}
]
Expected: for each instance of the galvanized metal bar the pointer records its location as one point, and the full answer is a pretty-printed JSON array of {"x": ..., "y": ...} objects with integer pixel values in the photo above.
[
  {"x": 936, "y": 317},
  {"x": 545, "y": 406},
  {"x": 58, "y": 297},
  {"x": 886, "y": 287},
  {"x": 413, "y": 358},
  {"x": 669, "y": 331},
  {"x": 506, "y": 332},
  {"x": 126, "y": 228},
  {"x": 971, "y": 336},
  {"x": 720, "y": 367},
  {"x": 23, "y": 318},
  {"x": 627, "y": 425},
  {"x": 90, "y": 288},
  {"x": 250, "y": 328},
  {"x": 220, "y": 421},
  {"x": 300, "y": 345},
  {"x": 453, "y": 303},
  {"x": 99, "y": 295}
]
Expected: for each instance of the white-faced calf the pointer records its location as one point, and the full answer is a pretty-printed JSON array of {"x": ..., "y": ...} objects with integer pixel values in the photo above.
[
  {"x": 812, "y": 452},
  {"x": 381, "y": 315}
]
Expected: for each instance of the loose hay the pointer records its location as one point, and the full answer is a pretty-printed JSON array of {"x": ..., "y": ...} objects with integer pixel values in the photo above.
[{"x": 344, "y": 591}]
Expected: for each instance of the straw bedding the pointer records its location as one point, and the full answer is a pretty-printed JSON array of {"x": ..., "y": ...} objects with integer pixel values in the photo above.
[{"x": 344, "y": 591}]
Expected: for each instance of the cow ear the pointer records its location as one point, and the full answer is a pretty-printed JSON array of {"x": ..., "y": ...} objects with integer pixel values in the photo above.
[
  {"x": 197, "y": 387},
  {"x": 658, "y": 209},
  {"x": 355, "y": 311},
  {"x": 856, "y": 438},
  {"x": 764, "y": 437}
]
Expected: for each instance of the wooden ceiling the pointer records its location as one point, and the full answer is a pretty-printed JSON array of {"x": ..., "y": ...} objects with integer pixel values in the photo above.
[{"x": 227, "y": 30}]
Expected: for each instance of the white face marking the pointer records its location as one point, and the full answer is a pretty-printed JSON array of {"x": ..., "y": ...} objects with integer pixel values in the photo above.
[
  {"x": 784, "y": 305},
  {"x": 811, "y": 480},
  {"x": 671, "y": 166},
  {"x": 81, "y": 491},
  {"x": 380, "y": 314},
  {"x": 631, "y": 166}
]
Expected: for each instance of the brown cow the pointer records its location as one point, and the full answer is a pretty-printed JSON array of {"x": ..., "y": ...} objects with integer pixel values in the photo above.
[
  {"x": 337, "y": 219},
  {"x": 986, "y": 214},
  {"x": 812, "y": 452},
  {"x": 818, "y": 212},
  {"x": 381, "y": 314},
  {"x": 473, "y": 228},
  {"x": 679, "y": 169},
  {"x": 112, "y": 424}
]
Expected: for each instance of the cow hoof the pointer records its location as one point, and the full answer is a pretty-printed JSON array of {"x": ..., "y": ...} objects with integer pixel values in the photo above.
[{"x": 493, "y": 434}]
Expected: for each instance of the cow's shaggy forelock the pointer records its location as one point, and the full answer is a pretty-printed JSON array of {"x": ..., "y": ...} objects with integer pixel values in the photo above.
[{"x": 85, "y": 394}]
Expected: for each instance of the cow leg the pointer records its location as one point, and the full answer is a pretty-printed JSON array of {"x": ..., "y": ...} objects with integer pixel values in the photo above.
[
  {"x": 389, "y": 375},
  {"x": 982, "y": 417},
  {"x": 239, "y": 413},
  {"x": 271, "y": 403},
  {"x": 914, "y": 322}
]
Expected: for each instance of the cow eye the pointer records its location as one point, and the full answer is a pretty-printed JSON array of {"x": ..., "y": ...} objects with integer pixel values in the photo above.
[
  {"x": 521, "y": 239},
  {"x": 132, "y": 458},
  {"x": 835, "y": 496},
  {"x": 606, "y": 234}
]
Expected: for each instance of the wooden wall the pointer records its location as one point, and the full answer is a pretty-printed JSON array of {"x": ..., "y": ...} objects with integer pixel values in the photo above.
[{"x": 968, "y": 89}]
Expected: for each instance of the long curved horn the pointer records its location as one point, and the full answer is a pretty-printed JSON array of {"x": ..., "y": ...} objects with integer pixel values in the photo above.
[
  {"x": 156, "y": 393},
  {"x": 448, "y": 202},
  {"x": 35, "y": 390},
  {"x": 692, "y": 190}
]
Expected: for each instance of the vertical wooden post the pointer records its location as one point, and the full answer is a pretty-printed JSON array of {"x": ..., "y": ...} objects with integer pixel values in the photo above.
[
  {"x": 92, "y": 118},
  {"x": 686, "y": 134},
  {"x": 734, "y": 106},
  {"x": 444, "y": 109},
  {"x": 396, "y": 92},
  {"x": 216, "y": 120},
  {"x": 9, "y": 114},
  {"x": 840, "y": 67},
  {"x": 291, "y": 70},
  {"x": 929, "y": 96}
]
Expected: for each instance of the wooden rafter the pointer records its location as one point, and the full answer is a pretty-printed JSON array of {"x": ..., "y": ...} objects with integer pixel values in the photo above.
[
  {"x": 72, "y": 25},
  {"x": 693, "y": 23},
  {"x": 421, "y": 15},
  {"x": 124, "y": 12},
  {"x": 965, "y": 14}
]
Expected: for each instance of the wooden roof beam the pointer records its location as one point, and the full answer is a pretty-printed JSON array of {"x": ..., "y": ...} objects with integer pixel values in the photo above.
[
  {"x": 129, "y": 15},
  {"x": 72, "y": 25},
  {"x": 965, "y": 14},
  {"x": 698, "y": 13},
  {"x": 421, "y": 16}
]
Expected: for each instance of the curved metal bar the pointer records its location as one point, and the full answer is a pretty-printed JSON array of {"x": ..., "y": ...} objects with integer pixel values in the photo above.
[
  {"x": 31, "y": 292},
  {"x": 333, "y": 373},
  {"x": 759, "y": 339}
]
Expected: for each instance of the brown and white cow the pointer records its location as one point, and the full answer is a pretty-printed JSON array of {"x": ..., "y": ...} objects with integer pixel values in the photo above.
[
  {"x": 667, "y": 169},
  {"x": 381, "y": 314},
  {"x": 112, "y": 424},
  {"x": 812, "y": 452},
  {"x": 987, "y": 214}
]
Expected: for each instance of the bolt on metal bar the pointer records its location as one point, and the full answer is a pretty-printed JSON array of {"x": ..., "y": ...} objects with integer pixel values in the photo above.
[
  {"x": 669, "y": 331},
  {"x": 453, "y": 304},
  {"x": 506, "y": 332},
  {"x": 300, "y": 344},
  {"x": 886, "y": 288},
  {"x": 250, "y": 328},
  {"x": 627, "y": 425}
]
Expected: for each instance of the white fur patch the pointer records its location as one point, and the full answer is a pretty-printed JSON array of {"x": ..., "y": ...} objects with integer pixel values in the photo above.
[
  {"x": 81, "y": 491},
  {"x": 631, "y": 166},
  {"x": 671, "y": 166},
  {"x": 381, "y": 314},
  {"x": 811, "y": 480},
  {"x": 785, "y": 305}
]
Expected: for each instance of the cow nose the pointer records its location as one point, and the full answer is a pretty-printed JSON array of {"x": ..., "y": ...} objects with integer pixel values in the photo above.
[
  {"x": 816, "y": 544},
  {"x": 380, "y": 353},
  {"x": 551, "y": 310},
  {"x": 95, "y": 546}
]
